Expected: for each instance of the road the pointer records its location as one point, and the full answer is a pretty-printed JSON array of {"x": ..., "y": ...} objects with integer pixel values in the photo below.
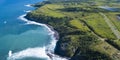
[{"x": 111, "y": 25}]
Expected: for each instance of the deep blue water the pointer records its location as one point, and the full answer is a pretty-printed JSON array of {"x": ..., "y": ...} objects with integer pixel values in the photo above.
[{"x": 15, "y": 35}]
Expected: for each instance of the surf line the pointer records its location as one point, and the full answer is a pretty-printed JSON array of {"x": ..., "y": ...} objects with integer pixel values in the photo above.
[{"x": 37, "y": 52}]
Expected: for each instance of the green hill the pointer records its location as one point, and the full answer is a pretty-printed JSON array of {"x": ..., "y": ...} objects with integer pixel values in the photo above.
[{"x": 83, "y": 32}]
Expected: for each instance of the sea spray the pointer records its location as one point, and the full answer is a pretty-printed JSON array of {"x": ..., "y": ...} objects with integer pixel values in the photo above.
[
  {"x": 28, "y": 5},
  {"x": 10, "y": 53},
  {"x": 27, "y": 11},
  {"x": 38, "y": 52}
]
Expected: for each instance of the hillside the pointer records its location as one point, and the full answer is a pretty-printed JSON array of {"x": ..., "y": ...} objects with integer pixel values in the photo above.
[{"x": 84, "y": 33}]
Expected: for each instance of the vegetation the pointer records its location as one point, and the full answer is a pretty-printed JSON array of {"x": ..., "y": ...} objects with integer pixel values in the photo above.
[
  {"x": 114, "y": 18},
  {"x": 99, "y": 26},
  {"x": 84, "y": 34}
]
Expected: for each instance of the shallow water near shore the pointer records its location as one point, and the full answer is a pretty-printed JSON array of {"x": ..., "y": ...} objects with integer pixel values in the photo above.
[{"x": 19, "y": 40}]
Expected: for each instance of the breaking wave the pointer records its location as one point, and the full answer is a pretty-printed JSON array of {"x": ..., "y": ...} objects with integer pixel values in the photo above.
[
  {"x": 46, "y": 52},
  {"x": 28, "y": 5},
  {"x": 30, "y": 52}
]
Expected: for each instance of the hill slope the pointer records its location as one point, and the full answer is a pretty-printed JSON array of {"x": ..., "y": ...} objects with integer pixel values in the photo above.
[{"x": 84, "y": 34}]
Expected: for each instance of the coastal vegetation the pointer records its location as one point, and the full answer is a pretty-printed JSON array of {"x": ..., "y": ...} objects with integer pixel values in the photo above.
[
  {"x": 83, "y": 32},
  {"x": 114, "y": 17}
]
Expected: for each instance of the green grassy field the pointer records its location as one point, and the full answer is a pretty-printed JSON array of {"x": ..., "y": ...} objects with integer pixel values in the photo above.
[
  {"x": 49, "y": 10},
  {"x": 79, "y": 25},
  {"x": 113, "y": 17},
  {"x": 99, "y": 25}
]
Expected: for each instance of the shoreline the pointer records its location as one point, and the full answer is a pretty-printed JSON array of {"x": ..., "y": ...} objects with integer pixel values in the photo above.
[
  {"x": 54, "y": 35},
  {"x": 47, "y": 51}
]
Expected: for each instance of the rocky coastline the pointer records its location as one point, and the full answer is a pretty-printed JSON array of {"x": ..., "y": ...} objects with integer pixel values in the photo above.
[
  {"x": 56, "y": 34},
  {"x": 73, "y": 43}
]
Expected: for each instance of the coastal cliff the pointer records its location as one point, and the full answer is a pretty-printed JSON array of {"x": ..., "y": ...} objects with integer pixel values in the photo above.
[{"x": 77, "y": 41}]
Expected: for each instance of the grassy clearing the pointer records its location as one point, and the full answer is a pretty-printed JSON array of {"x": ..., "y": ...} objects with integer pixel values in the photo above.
[
  {"x": 49, "y": 10},
  {"x": 99, "y": 25},
  {"x": 79, "y": 25},
  {"x": 113, "y": 17}
]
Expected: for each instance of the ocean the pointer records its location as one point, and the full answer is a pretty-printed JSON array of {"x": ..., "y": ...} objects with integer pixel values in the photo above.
[{"x": 21, "y": 39}]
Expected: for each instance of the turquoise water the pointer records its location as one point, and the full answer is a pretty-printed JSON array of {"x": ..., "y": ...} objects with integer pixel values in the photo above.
[{"x": 18, "y": 37}]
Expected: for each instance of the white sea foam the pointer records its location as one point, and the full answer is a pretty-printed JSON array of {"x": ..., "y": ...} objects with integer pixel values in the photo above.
[
  {"x": 28, "y": 5},
  {"x": 38, "y": 52},
  {"x": 27, "y": 11},
  {"x": 30, "y": 52},
  {"x": 10, "y": 53}
]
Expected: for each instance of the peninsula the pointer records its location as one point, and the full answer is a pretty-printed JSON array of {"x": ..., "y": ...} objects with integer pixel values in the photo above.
[{"x": 86, "y": 31}]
